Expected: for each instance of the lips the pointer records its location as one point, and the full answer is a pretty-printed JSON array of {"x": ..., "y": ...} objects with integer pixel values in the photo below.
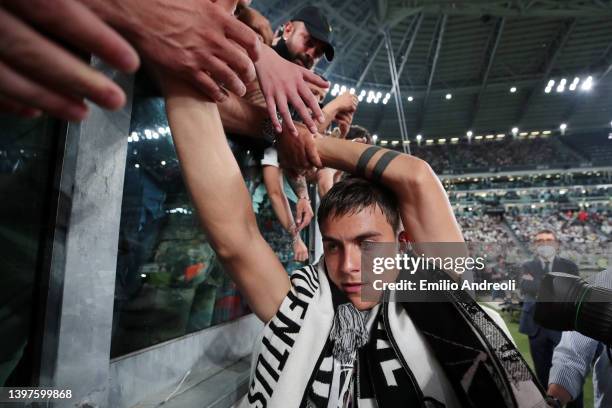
[{"x": 352, "y": 287}]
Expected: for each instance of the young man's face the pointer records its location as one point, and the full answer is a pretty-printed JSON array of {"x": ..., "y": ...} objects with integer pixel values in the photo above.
[
  {"x": 343, "y": 237},
  {"x": 304, "y": 49}
]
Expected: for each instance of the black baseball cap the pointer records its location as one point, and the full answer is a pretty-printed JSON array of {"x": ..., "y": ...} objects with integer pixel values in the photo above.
[{"x": 318, "y": 27}]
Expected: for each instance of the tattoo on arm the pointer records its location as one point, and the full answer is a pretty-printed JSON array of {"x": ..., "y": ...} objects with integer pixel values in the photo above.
[
  {"x": 364, "y": 159},
  {"x": 380, "y": 166},
  {"x": 298, "y": 184}
]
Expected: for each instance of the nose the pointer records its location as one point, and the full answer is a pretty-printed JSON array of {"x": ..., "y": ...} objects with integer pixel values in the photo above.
[{"x": 351, "y": 260}]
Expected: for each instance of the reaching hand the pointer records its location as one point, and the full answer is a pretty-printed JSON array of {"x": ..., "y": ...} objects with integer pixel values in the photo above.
[
  {"x": 36, "y": 74},
  {"x": 283, "y": 82},
  {"x": 303, "y": 213},
  {"x": 300, "y": 251},
  {"x": 345, "y": 103},
  {"x": 344, "y": 121},
  {"x": 197, "y": 40},
  {"x": 298, "y": 152}
]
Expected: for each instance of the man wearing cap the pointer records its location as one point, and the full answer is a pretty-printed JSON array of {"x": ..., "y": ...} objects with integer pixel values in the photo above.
[{"x": 306, "y": 38}]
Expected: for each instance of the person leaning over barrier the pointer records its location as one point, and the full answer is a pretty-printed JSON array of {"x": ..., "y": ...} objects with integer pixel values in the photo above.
[{"x": 322, "y": 345}]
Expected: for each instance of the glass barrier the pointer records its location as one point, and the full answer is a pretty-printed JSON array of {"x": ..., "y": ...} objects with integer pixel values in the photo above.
[
  {"x": 27, "y": 160},
  {"x": 168, "y": 281}
]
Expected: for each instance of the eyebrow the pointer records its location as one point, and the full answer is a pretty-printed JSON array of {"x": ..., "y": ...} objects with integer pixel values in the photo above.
[{"x": 360, "y": 237}]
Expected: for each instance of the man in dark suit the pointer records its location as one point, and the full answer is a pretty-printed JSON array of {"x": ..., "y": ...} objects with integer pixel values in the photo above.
[{"x": 542, "y": 341}]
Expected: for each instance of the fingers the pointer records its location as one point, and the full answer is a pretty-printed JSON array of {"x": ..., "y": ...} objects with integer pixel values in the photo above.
[
  {"x": 313, "y": 155},
  {"x": 34, "y": 56},
  {"x": 312, "y": 102},
  {"x": 76, "y": 24},
  {"x": 271, "y": 107},
  {"x": 20, "y": 90},
  {"x": 315, "y": 79},
  {"x": 283, "y": 109},
  {"x": 209, "y": 87},
  {"x": 226, "y": 76},
  {"x": 301, "y": 109},
  {"x": 244, "y": 36}
]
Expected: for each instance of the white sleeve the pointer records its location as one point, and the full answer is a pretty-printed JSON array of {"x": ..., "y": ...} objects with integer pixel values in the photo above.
[{"x": 270, "y": 157}]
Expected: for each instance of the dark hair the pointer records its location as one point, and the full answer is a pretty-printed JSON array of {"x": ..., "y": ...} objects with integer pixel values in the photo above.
[
  {"x": 546, "y": 230},
  {"x": 354, "y": 194},
  {"x": 359, "y": 132}
]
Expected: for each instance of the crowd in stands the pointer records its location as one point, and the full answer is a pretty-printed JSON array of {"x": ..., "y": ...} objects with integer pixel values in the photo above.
[
  {"x": 495, "y": 155},
  {"x": 588, "y": 178}
]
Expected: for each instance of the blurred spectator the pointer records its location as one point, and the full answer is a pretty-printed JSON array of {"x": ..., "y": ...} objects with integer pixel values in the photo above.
[{"x": 542, "y": 341}]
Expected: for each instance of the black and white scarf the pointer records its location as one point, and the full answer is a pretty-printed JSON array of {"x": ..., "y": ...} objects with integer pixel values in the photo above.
[{"x": 316, "y": 324}]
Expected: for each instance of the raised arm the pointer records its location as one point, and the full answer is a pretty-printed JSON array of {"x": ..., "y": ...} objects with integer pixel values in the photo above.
[
  {"x": 425, "y": 210},
  {"x": 222, "y": 200}
]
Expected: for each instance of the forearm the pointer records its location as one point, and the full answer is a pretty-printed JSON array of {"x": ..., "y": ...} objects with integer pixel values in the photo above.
[
  {"x": 221, "y": 199},
  {"x": 424, "y": 207},
  {"x": 299, "y": 186},
  {"x": 210, "y": 171},
  {"x": 282, "y": 210},
  {"x": 280, "y": 204},
  {"x": 241, "y": 117},
  {"x": 325, "y": 180},
  {"x": 329, "y": 112}
]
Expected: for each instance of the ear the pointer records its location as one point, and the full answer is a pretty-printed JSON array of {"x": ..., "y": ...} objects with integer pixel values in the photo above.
[
  {"x": 404, "y": 237},
  {"x": 288, "y": 29},
  {"x": 404, "y": 241}
]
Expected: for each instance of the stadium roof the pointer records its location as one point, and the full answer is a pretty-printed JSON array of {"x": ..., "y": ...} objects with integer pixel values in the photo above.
[{"x": 476, "y": 51}]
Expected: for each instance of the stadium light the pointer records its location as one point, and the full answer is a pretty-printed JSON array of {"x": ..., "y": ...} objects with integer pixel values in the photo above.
[
  {"x": 362, "y": 93},
  {"x": 515, "y": 131},
  {"x": 449, "y": 96},
  {"x": 352, "y": 91},
  {"x": 410, "y": 99},
  {"x": 469, "y": 133},
  {"x": 574, "y": 84},
  {"x": 561, "y": 87},
  {"x": 563, "y": 127},
  {"x": 587, "y": 85},
  {"x": 513, "y": 89},
  {"x": 419, "y": 137},
  {"x": 374, "y": 138},
  {"x": 342, "y": 89}
]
